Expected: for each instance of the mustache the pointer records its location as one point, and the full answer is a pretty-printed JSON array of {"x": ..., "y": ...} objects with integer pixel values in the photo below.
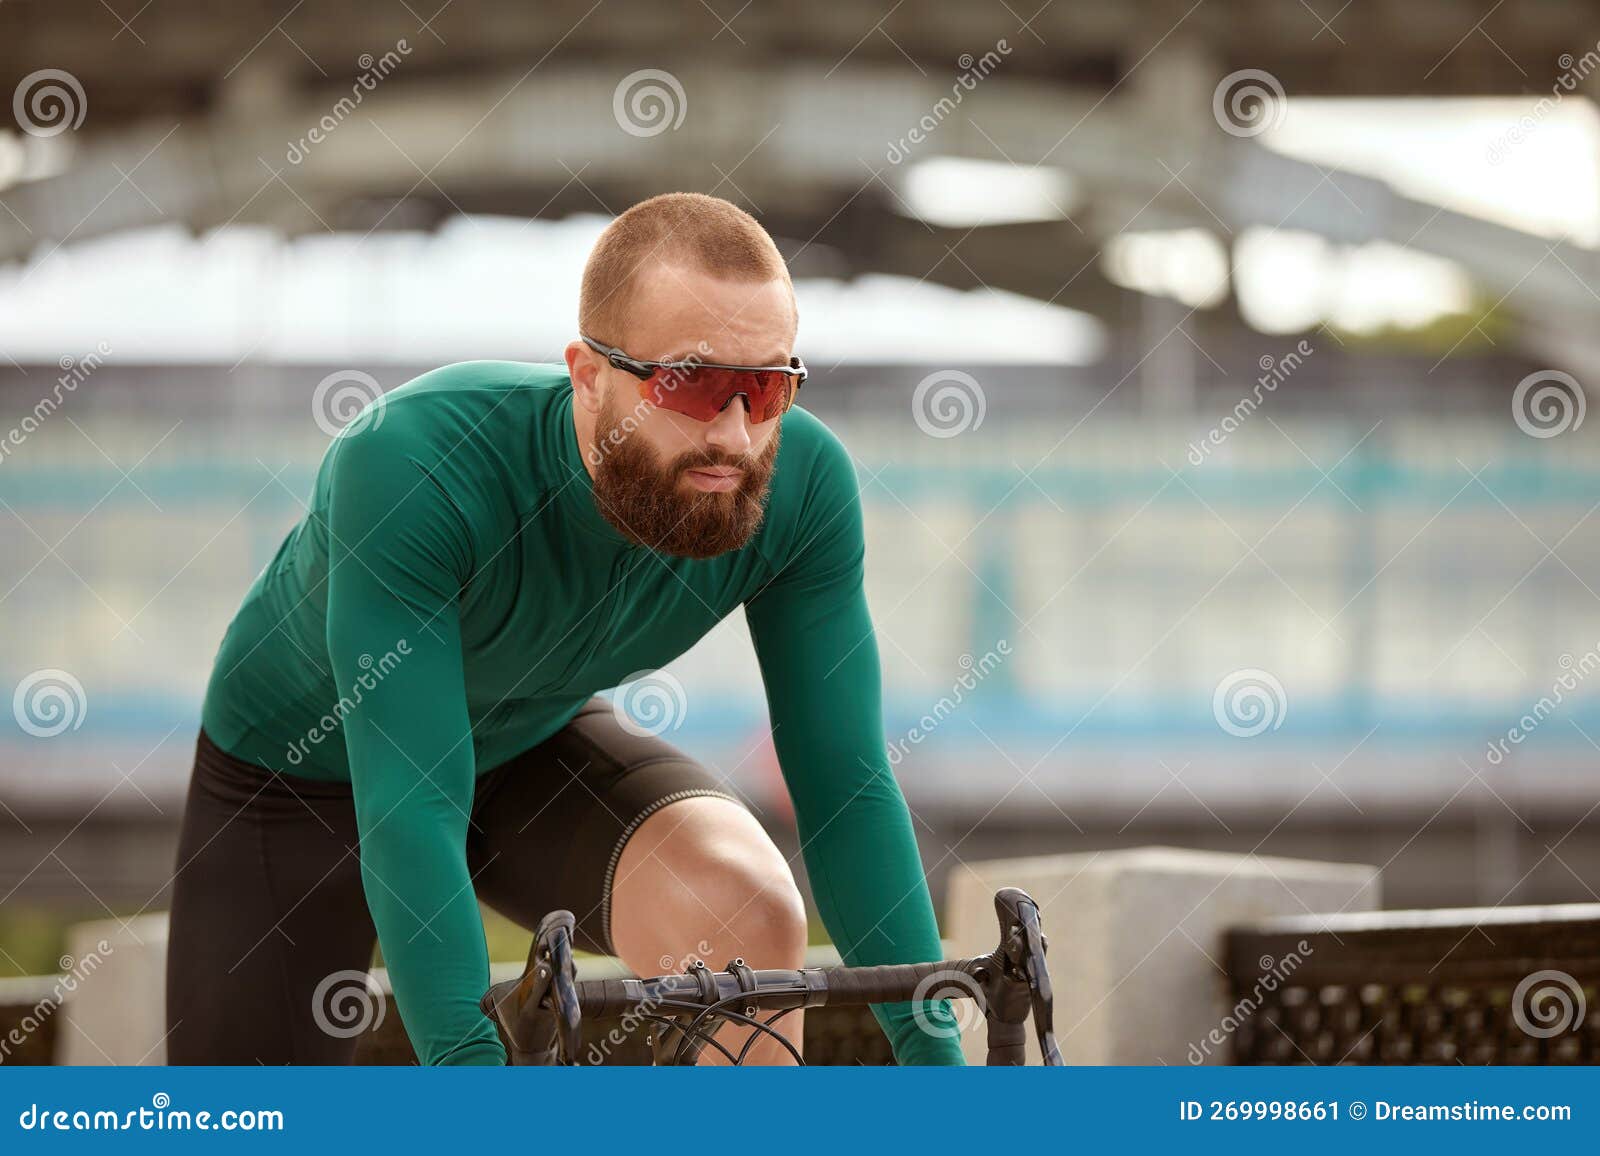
[{"x": 710, "y": 459}]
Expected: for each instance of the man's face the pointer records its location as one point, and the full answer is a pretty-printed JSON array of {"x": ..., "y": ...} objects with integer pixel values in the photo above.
[{"x": 685, "y": 487}]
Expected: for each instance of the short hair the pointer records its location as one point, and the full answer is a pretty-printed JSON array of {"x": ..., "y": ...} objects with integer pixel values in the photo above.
[{"x": 700, "y": 231}]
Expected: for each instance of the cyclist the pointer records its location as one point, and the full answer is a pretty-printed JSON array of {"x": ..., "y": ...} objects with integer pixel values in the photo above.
[{"x": 401, "y": 718}]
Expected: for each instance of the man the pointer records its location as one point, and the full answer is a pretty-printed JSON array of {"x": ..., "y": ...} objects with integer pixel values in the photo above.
[{"x": 401, "y": 718}]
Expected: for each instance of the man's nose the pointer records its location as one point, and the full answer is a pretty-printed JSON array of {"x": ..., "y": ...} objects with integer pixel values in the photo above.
[{"x": 729, "y": 431}]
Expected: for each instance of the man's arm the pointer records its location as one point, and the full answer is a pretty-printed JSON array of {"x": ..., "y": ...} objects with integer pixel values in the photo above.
[
  {"x": 398, "y": 555},
  {"x": 819, "y": 662}
]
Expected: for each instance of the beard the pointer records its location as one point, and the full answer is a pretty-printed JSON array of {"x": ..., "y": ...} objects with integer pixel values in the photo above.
[{"x": 651, "y": 502}]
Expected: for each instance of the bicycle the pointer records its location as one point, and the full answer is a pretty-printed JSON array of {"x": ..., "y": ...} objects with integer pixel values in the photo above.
[{"x": 540, "y": 1014}]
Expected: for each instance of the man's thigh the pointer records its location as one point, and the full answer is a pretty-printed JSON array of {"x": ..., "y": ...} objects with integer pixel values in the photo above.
[
  {"x": 270, "y": 936},
  {"x": 658, "y": 861},
  {"x": 550, "y": 826}
]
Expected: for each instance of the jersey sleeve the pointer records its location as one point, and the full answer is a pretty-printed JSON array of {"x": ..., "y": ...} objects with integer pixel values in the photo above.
[
  {"x": 399, "y": 552},
  {"x": 819, "y": 663}
]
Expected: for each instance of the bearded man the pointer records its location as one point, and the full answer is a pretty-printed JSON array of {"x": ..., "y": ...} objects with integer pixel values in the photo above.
[{"x": 402, "y": 718}]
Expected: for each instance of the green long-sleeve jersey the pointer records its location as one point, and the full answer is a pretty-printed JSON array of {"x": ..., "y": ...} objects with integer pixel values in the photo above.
[{"x": 453, "y": 595}]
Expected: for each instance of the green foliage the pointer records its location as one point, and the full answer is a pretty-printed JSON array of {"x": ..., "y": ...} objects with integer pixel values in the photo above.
[
  {"x": 1481, "y": 330},
  {"x": 32, "y": 939}
]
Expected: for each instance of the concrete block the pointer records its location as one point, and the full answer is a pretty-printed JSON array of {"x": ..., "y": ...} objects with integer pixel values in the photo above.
[
  {"x": 1135, "y": 939},
  {"x": 116, "y": 1011}
]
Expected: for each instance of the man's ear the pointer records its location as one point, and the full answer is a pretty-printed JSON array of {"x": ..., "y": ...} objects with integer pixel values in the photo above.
[{"x": 583, "y": 366}]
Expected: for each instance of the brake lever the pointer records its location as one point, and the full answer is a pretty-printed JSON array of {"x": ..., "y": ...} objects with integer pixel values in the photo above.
[
  {"x": 564, "y": 996},
  {"x": 1024, "y": 950},
  {"x": 538, "y": 1013},
  {"x": 1033, "y": 947}
]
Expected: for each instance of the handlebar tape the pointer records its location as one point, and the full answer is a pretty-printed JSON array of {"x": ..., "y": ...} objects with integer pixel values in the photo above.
[
  {"x": 1007, "y": 1044},
  {"x": 610, "y": 997},
  {"x": 886, "y": 983},
  {"x": 896, "y": 982}
]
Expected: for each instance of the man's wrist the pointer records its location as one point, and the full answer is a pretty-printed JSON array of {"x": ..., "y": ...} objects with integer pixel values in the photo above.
[{"x": 931, "y": 1051}]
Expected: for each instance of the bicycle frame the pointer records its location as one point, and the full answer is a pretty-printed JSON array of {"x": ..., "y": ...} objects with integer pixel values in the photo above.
[{"x": 540, "y": 1014}]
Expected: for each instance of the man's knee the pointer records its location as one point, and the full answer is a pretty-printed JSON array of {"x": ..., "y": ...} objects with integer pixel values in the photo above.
[
  {"x": 764, "y": 912},
  {"x": 748, "y": 906},
  {"x": 702, "y": 879}
]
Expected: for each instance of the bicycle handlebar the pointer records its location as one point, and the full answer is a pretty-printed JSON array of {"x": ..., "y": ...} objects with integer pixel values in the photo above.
[
  {"x": 777, "y": 989},
  {"x": 539, "y": 1014}
]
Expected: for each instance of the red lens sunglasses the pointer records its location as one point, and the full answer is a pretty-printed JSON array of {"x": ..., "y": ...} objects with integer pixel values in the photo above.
[{"x": 702, "y": 390}]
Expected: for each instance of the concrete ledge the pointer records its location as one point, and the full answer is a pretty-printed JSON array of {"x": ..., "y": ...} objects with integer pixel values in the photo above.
[
  {"x": 28, "y": 1018},
  {"x": 115, "y": 1012},
  {"x": 1136, "y": 939}
]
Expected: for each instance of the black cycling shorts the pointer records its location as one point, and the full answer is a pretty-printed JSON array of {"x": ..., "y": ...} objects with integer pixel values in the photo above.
[{"x": 267, "y": 898}]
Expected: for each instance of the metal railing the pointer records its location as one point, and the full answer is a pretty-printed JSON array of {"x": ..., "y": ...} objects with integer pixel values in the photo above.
[{"x": 1509, "y": 985}]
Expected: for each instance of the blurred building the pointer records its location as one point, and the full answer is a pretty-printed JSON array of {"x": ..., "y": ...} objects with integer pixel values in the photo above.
[{"x": 1215, "y": 377}]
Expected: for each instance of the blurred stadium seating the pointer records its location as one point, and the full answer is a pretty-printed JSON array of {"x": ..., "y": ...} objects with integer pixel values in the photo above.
[{"x": 1104, "y": 258}]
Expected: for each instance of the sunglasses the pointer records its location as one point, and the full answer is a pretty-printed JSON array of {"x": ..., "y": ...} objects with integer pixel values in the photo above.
[{"x": 701, "y": 390}]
